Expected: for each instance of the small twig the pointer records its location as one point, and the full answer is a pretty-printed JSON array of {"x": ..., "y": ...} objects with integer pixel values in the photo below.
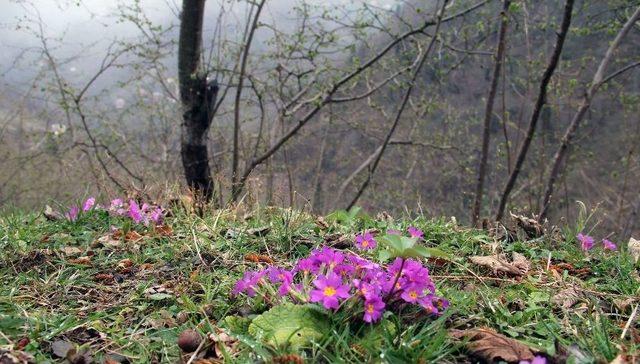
[
  {"x": 195, "y": 242},
  {"x": 193, "y": 356},
  {"x": 631, "y": 318}
]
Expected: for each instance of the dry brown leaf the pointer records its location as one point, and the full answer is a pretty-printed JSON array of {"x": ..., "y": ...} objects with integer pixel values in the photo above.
[
  {"x": 288, "y": 359},
  {"x": 521, "y": 263},
  {"x": 16, "y": 357},
  {"x": 567, "y": 297},
  {"x": 158, "y": 290},
  {"x": 132, "y": 236},
  {"x": 623, "y": 304},
  {"x": 71, "y": 250},
  {"x": 125, "y": 263},
  {"x": 110, "y": 241},
  {"x": 492, "y": 346},
  {"x": 322, "y": 224},
  {"x": 146, "y": 266},
  {"x": 531, "y": 227},
  {"x": 164, "y": 230},
  {"x": 104, "y": 277},
  {"x": 258, "y": 258},
  {"x": 85, "y": 260},
  {"x": 634, "y": 249},
  {"x": 222, "y": 343},
  {"x": 498, "y": 263},
  {"x": 51, "y": 215}
]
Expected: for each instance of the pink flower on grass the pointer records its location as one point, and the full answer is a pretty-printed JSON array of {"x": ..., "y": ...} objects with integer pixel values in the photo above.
[
  {"x": 366, "y": 241},
  {"x": 609, "y": 245},
  {"x": 330, "y": 257},
  {"x": 365, "y": 289},
  {"x": 72, "y": 215},
  {"x": 88, "y": 204},
  {"x": 282, "y": 276},
  {"x": 414, "y": 232},
  {"x": 157, "y": 215},
  {"x": 373, "y": 307},
  {"x": 248, "y": 283},
  {"x": 329, "y": 290},
  {"x": 586, "y": 242},
  {"x": 117, "y": 207},
  {"x": 307, "y": 265},
  {"x": 134, "y": 212},
  {"x": 411, "y": 294}
]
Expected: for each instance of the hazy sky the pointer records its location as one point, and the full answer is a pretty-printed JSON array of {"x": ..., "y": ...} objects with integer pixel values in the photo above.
[{"x": 84, "y": 22}]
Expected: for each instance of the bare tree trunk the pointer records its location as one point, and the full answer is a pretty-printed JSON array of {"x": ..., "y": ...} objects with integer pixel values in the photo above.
[
  {"x": 198, "y": 98},
  {"x": 488, "y": 113},
  {"x": 540, "y": 101},
  {"x": 598, "y": 80}
]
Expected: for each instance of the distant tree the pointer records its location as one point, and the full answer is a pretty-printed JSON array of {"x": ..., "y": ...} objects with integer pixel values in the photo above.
[
  {"x": 488, "y": 114},
  {"x": 198, "y": 97},
  {"x": 541, "y": 100}
]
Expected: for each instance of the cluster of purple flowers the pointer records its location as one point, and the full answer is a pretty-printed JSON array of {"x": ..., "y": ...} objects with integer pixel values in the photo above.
[
  {"x": 140, "y": 214},
  {"x": 346, "y": 280},
  {"x": 587, "y": 242}
]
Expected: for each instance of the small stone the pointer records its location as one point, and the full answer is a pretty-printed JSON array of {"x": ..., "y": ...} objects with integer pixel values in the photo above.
[
  {"x": 189, "y": 340},
  {"x": 182, "y": 317}
]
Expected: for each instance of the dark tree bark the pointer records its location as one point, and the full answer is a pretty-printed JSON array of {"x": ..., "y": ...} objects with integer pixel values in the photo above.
[
  {"x": 488, "y": 113},
  {"x": 197, "y": 97},
  {"x": 540, "y": 102}
]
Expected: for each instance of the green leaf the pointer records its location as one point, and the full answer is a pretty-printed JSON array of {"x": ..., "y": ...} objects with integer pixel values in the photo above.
[
  {"x": 402, "y": 246},
  {"x": 416, "y": 252},
  {"x": 237, "y": 324},
  {"x": 435, "y": 252},
  {"x": 288, "y": 323},
  {"x": 384, "y": 255}
]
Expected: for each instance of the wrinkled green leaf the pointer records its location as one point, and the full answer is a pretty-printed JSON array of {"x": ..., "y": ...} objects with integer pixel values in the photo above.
[{"x": 290, "y": 324}]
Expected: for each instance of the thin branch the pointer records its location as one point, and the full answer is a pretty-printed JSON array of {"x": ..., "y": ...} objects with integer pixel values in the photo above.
[
  {"x": 236, "y": 111},
  {"x": 405, "y": 100},
  {"x": 540, "y": 101},
  {"x": 335, "y": 87},
  {"x": 488, "y": 113},
  {"x": 598, "y": 80}
]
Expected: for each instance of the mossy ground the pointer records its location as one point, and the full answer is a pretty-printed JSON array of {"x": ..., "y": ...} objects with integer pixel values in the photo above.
[{"x": 134, "y": 295}]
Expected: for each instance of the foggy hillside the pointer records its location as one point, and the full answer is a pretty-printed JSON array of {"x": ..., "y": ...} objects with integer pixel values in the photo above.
[{"x": 131, "y": 112}]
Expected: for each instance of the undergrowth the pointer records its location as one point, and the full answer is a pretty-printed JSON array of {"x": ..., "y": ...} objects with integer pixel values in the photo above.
[{"x": 116, "y": 290}]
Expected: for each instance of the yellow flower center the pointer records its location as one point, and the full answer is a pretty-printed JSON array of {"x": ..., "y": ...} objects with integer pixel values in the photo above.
[
  {"x": 365, "y": 243},
  {"x": 370, "y": 308},
  {"x": 413, "y": 294},
  {"x": 329, "y": 291}
]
